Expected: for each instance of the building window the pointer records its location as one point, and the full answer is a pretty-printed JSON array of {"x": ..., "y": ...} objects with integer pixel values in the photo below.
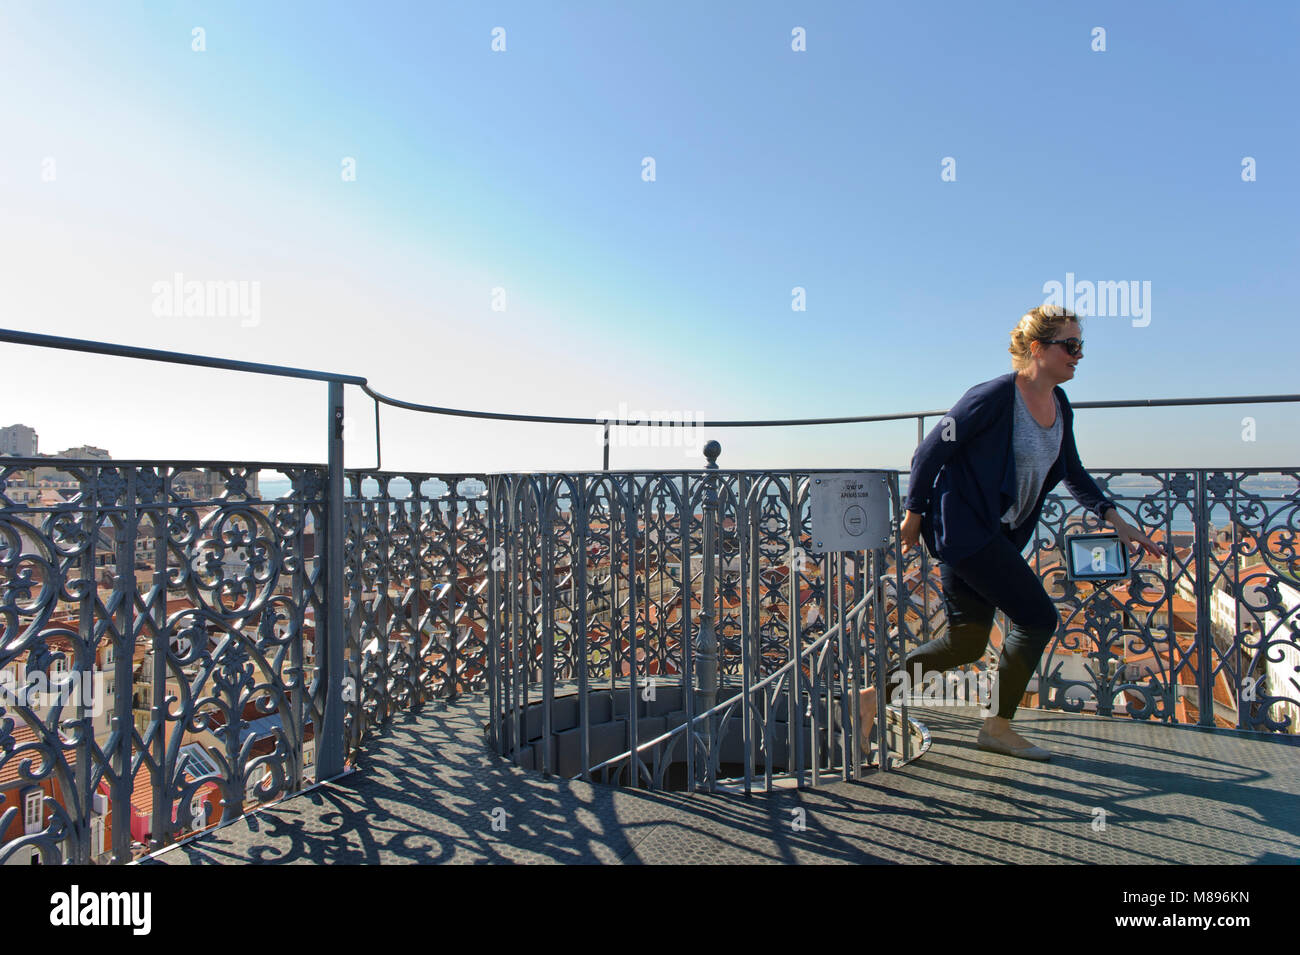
[
  {"x": 194, "y": 763},
  {"x": 33, "y": 811}
]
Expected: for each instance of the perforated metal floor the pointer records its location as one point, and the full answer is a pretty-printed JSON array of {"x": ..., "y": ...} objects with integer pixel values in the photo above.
[{"x": 1116, "y": 791}]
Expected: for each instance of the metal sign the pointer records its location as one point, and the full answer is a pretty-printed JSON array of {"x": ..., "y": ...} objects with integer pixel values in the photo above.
[
  {"x": 1095, "y": 557},
  {"x": 849, "y": 511}
]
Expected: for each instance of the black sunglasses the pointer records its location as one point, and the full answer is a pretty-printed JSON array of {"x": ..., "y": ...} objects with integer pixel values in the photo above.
[{"x": 1073, "y": 346}]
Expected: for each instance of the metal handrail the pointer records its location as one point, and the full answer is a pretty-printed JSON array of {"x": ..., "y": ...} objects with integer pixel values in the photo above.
[
  {"x": 775, "y": 676},
  {"x": 204, "y": 361}
]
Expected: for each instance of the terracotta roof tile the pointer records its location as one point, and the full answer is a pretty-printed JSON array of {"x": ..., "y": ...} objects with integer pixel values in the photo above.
[{"x": 24, "y": 735}]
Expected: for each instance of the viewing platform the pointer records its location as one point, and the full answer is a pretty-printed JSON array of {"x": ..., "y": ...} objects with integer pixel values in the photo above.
[
  {"x": 427, "y": 792},
  {"x": 298, "y": 661}
]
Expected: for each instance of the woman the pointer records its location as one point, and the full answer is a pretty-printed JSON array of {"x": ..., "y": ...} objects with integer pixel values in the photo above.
[{"x": 977, "y": 487}]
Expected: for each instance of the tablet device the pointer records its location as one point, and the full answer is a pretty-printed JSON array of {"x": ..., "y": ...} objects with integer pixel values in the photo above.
[{"x": 1095, "y": 557}]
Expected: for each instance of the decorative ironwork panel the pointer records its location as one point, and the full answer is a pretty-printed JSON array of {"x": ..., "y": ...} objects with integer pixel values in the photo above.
[
  {"x": 416, "y": 608},
  {"x": 640, "y": 591},
  {"x": 157, "y": 652},
  {"x": 1207, "y": 635}
]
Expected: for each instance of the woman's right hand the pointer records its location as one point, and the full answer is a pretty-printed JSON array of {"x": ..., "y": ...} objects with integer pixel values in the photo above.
[{"x": 910, "y": 531}]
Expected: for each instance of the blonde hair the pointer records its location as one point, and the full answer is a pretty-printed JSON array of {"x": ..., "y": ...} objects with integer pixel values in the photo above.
[{"x": 1045, "y": 321}]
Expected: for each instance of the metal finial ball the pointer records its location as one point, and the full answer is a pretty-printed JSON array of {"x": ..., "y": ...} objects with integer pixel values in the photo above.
[{"x": 712, "y": 450}]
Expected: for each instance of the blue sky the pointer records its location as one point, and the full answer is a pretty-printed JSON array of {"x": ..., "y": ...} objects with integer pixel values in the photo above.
[{"x": 522, "y": 170}]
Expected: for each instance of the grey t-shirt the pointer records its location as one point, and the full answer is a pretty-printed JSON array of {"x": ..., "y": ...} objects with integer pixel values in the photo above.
[{"x": 1036, "y": 449}]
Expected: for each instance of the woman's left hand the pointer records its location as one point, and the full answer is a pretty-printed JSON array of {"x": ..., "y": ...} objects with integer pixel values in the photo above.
[{"x": 1131, "y": 535}]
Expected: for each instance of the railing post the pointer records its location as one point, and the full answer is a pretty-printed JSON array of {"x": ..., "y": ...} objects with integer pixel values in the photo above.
[
  {"x": 900, "y": 590},
  {"x": 880, "y": 637},
  {"x": 747, "y": 551},
  {"x": 706, "y": 642},
  {"x": 496, "y": 659},
  {"x": 123, "y": 656},
  {"x": 516, "y": 578},
  {"x": 354, "y": 728},
  {"x": 330, "y": 748},
  {"x": 547, "y": 490},
  {"x": 923, "y": 574},
  {"x": 582, "y": 528},
  {"x": 1201, "y": 557},
  {"x": 453, "y": 649},
  {"x": 630, "y": 534},
  {"x": 795, "y": 707},
  {"x": 86, "y": 630}
]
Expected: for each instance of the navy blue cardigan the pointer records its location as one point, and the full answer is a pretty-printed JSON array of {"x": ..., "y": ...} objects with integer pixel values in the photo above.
[{"x": 962, "y": 487}]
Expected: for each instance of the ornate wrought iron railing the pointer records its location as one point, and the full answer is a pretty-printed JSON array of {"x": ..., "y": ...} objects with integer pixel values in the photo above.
[
  {"x": 1209, "y": 635},
  {"x": 632, "y": 600},
  {"x": 417, "y": 611},
  {"x": 247, "y": 645},
  {"x": 157, "y": 653}
]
